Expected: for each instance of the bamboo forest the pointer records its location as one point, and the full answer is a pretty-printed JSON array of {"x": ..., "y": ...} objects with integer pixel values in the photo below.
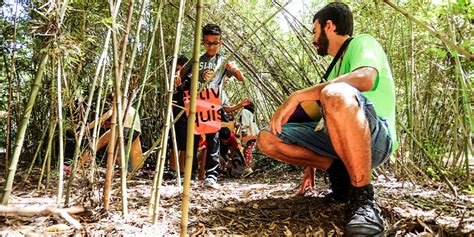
[{"x": 236, "y": 118}]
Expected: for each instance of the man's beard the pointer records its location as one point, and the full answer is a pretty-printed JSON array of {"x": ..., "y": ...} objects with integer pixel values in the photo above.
[{"x": 323, "y": 44}]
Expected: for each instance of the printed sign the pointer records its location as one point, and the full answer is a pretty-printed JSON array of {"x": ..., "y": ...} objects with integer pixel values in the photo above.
[{"x": 208, "y": 111}]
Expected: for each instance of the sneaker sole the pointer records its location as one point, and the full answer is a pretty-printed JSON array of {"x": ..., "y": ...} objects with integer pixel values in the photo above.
[
  {"x": 213, "y": 186},
  {"x": 364, "y": 235}
]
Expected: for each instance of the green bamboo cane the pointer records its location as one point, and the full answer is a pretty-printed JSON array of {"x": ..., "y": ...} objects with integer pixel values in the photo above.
[
  {"x": 191, "y": 120},
  {"x": 38, "y": 149},
  {"x": 11, "y": 76},
  {"x": 127, "y": 103},
  {"x": 123, "y": 53},
  {"x": 118, "y": 96},
  {"x": 165, "y": 133},
  {"x": 99, "y": 110},
  {"x": 433, "y": 32},
  {"x": 61, "y": 144},
  {"x": 22, "y": 130},
  {"x": 53, "y": 117},
  {"x": 236, "y": 49},
  {"x": 135, "y": 46},
  {"x": 467, "y": 116},
  {"x": 43, "y": 167},
  {"x": 430, "y": 157},
  {"x": 47, "y": 155},
  {"x": 167, "y": 83},
  {"x": 147, "y": 66},
  {"x": 84, "y": 120}
]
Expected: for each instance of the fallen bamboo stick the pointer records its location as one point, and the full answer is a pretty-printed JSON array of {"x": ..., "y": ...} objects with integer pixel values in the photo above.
[{"x": 44, "y": 210}]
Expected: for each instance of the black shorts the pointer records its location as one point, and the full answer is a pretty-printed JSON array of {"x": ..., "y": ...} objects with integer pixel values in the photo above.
[
  {"x": 180, "y": 128},
  {"x": 126, "y": 134}
]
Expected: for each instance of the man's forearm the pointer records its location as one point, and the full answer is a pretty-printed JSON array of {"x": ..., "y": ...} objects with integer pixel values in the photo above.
[{"x": 363, "y": 79}]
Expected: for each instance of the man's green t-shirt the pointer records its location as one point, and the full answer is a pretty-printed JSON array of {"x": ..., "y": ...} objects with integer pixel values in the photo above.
[{"x": 365, "y": 51}]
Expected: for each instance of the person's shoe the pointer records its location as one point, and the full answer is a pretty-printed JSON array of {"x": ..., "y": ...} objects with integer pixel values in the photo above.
[
  {"x": 339, "y": 181},
  {"x": 210, "y": 182},
  {"x": 247, "y": 172},
  {"x": 363, "y": 214},
  {"x": 169, "y": 175}
]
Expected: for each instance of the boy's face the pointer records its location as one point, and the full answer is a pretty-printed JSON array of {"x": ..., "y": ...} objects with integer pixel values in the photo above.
[
  {"x": 211, "y": 43},
  {"x": 225, "y": 140}
]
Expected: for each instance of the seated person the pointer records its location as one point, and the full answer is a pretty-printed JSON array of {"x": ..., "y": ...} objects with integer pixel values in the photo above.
[
  {"x": 129, "y": 124},
  {"x": 249, "y": 131},
  {"x": 230, "y": 152}
]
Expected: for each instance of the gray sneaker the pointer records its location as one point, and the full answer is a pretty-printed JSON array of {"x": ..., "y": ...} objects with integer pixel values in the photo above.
[
  {"x": 210, "y": 182},
  {"x": 363, "y": 215}
]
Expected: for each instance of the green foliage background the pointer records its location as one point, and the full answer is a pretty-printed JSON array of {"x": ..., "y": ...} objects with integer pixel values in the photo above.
[{"x": 434, "y": 82}]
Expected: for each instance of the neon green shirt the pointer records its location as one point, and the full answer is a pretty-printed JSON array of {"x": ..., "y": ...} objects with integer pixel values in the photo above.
[{"x": 365, "y": 51}]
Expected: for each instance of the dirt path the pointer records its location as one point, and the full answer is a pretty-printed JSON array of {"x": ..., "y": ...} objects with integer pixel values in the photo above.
[{"x": 265, "y": 204}]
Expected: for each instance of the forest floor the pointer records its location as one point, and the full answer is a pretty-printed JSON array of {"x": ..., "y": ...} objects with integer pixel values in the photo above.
[{"x": 261, "y": 205}]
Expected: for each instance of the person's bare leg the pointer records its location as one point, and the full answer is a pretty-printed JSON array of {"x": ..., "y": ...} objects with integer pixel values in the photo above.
[
  {"x": 182, "y": 159},
  {"x": 349, "y": 131},
  {"x": 202, "y": 164},
  {"x": 173, "y": 162},
  {"x": 136, "y": 154},
  {"x": 101, "y": 143},
  {"x": 272, "y": 146}
]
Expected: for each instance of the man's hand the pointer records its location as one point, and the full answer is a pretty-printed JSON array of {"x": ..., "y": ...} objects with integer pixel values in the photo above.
[
  {"x": 282, "y": 114},
  {"x": 307, "y": 181}
]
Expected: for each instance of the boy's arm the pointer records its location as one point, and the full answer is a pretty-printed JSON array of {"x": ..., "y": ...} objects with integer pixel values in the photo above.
[
  {"x": 239, "y": 75},
  {"x": 232, "y": 108},
  {"x": 103, "y": 118},
  {"x": 235, "y": 70}
]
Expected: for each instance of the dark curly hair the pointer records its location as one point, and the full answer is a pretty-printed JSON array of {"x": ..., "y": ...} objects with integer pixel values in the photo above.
[
  {"x": 224, "y": 133},
  {"x": 211, "y": 29},
  {"x": 340, "y": 14}
]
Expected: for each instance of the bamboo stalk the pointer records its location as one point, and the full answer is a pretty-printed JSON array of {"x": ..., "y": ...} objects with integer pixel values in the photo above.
[
  {"x": 47, "y": 155},
  {"x": 110, "y": 156},
  {"x": 60, "y": 137},
  {"x": 191, "y": 120},
  {"x": 120, "y": 115},
  {"x": 99, "y": 110},
  {"x": 84, "y": 120},
  {"x": 168, "y": 116},
  {"x": 53, "y": 117},
  {"x": 466, "y": 117},
  {"x": 453, "y": 45},
  {"x": 22, "y": 130},
  {"x": 167, "y": 83},
  {"x": 142, "y": 87},
  {"x": 125, "y": 43},
  {"x": 10, "y": 86},
  {"x": 430, "y": 158},
  {"x": 135, "y": 46},
  {"x": 38, "y": 149}
]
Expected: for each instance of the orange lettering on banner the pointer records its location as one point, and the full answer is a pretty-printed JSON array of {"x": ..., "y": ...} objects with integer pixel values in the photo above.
[{"x": 208, "y": 111}]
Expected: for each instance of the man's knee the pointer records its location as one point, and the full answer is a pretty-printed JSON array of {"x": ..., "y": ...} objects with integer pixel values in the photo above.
[
  {"x": 337, "y": 96},
  {"x": 264, "y": 139}
]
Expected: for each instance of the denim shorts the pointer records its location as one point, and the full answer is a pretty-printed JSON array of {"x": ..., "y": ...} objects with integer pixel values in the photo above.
[{"x": 304, "y": 134}]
